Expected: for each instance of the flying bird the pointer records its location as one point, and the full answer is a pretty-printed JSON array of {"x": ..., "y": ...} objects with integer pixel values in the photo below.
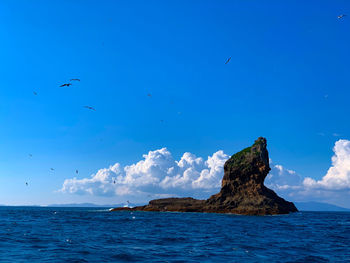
[
  {"x": 66, "y": 85},
  {"x": 52, "y": 169},
  {"x": 149, "y": 95},
  {"x": 30, "y": 155},
  {"x": 26, "y": 184},
  {"x": 35, "y": 93},
  {"x": 90, "y": 108},
  {"x": 74, "y": 80},
  {"x": 114, "y": 181},
  {"x": 228, "y": 60},
  {"x": 341, "y": 16},
  {"x": 76, "y": 171}
]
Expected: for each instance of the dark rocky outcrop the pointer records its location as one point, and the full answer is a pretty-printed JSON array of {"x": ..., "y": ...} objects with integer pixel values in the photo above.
[{"x": 242, "y": 190}]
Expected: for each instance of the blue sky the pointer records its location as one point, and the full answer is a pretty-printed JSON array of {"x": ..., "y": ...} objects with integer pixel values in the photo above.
[{"x": 287, "y": 81}]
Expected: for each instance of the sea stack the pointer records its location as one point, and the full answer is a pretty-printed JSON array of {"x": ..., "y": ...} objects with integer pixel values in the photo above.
[{"x": 242, "y": 189}]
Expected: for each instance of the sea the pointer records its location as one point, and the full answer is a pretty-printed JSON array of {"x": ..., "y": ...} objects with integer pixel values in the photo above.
[{"x": 44, "y": 234}]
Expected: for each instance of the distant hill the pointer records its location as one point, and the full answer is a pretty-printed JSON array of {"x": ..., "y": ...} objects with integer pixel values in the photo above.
[
  {"x": 83, "y": 205},
  {"x": 90, "y": 205},
  {"x": 317, "y": 206}
]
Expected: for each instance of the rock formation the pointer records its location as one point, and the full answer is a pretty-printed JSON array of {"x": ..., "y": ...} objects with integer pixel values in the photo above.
[{"x": 242, "y": 190}]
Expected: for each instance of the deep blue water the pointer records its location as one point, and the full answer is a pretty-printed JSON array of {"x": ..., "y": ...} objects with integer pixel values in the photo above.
[{"x": 96, "y": 235}]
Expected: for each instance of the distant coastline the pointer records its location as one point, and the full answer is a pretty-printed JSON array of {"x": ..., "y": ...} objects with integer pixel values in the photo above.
[
  {"x": 302, "y": 206},
  {"x": 319, "y": 207}
]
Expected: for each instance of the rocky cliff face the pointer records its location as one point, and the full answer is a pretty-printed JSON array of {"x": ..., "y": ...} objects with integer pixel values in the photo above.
[{"x": 242, "y": 191}]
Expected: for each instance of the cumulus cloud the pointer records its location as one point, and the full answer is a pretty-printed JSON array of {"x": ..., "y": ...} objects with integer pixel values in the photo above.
[
  {"x": 334, "y": 187},
  {"x": 281, "y": 178},
  {"x": 338, "y": 175},
  {"x": 157, "y": 174}
]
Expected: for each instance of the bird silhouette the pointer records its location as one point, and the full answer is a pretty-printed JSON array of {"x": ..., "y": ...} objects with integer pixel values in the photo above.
[
  {"x": 52, "y": 169},
  {"x": 74, "y": 80},
  {"x": 149, "y": 95},
  {"x": 341, "y": 16},
  {"x": 228, "y": 60},
  {"x": 35, "y": 93},
  {"x": 76, "y": 171},
  {"x": 30, "y": 155},
  {"x": 26, "y": 184},
  {"x": 66, "y": 85},
  {"x": 90, "y": 108}
]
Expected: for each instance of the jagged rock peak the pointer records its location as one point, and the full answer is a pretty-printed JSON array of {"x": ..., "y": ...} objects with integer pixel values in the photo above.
[{"x": 249, "y": 165}]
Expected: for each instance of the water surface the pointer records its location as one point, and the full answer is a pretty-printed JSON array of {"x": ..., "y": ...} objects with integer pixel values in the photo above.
[{"x": 33, "y": 234}]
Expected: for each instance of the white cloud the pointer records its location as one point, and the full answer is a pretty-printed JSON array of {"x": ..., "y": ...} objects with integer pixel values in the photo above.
[
  {"x": 333, "y": 188},
  {"x": 281, "y": 178},
  {"x": 157, "y": 174},
  {"x": 338, "y": 175}
]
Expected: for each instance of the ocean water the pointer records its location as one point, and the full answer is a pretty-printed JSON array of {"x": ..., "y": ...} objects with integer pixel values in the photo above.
[{"x": 30, "y": 234}]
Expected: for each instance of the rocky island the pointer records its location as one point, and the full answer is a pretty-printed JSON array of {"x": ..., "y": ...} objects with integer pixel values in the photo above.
[{"x": 242, "y": 190}]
